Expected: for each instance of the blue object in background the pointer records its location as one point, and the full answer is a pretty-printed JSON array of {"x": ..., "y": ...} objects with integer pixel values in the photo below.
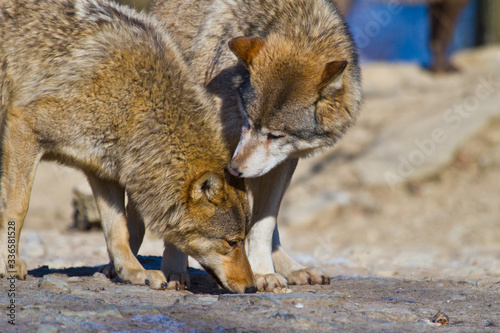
[{"x": 395, "y": 31}]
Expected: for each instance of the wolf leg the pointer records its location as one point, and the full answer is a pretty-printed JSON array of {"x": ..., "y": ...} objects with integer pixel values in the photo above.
[
  {"x": 136, "y": 229},
  {"x": 269, "y": 261},
  {"x": 174, "y": 265},
  {"x": 110, "y": 198},
  {"x": 174, "y": 262},
  {"x": 443, "y": 18},
  {"x": 266, "y": 193},
  {"x": 294, "y": 272},
  {"x": 20, "y": 157}
]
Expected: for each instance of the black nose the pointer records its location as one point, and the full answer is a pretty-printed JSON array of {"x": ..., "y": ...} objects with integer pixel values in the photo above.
[
  {"x": 251, "y": 290},
  {"x": 233, "y": 170}
]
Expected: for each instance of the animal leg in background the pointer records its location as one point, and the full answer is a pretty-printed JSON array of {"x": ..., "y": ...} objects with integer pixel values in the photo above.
[{"x": 443, "y": 18}]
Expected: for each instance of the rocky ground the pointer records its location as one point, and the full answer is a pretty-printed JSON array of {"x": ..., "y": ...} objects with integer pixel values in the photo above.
[{"x": 404, "y": 214}]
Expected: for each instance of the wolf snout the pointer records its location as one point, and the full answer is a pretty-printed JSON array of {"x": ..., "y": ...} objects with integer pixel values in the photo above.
[{"x": 232, "y": 168}]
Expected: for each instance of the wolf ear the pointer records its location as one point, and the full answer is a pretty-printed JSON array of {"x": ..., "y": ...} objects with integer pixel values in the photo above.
[
  {"x": 246, "y": 48},
  {"x": 333, "y": 74},
  {"x": 209, "y": 186}
]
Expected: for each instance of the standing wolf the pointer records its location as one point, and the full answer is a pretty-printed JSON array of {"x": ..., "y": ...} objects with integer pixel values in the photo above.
[
  {"x": 103, "y": 89},
  {"x": 285, "y": 78}
]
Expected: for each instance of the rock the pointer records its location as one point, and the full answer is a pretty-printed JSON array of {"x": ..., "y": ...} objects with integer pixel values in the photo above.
[
  {"x": 284, "y": 290},
  {"x": 440, "y": 319},
  {"x": 53, "y": 281},
  {"x": 99, "y": 277},
  {"x": 75, "y": 279}
]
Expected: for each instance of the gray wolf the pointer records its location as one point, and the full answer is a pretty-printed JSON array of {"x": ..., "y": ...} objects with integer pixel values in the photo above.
[
  {"x": 285, "y": 78},
  {"x": 98, "y": 87}
]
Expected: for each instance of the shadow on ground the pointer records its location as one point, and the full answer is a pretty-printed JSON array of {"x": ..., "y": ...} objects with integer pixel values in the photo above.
[{"x": 201, "y": 282}]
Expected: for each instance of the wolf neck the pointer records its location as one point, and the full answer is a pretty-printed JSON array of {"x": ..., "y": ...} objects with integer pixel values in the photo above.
[
  {"x": 157, "y": 173},
  {"x": 298, "y": 19}
]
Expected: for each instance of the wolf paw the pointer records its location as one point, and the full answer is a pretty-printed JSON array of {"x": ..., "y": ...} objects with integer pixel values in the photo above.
[
  {"x": 155, "y": 279},
  {"x": 309, "y": 275},
  {"x": 17, "y": 269},
  {"x": 177, "y": 280},
  {"x": 269, "y": 282}
]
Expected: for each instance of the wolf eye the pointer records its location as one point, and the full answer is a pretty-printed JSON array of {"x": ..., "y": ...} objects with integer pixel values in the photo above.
[
  {"x": 232, "y": 243},
  {"x": 271, "y": 136}
]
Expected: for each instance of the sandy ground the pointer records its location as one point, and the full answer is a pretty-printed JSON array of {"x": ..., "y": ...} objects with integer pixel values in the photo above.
[{"x": 398, "y": 253}]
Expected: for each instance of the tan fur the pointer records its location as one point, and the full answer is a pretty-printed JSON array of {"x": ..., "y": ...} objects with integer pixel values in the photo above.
[
  {"x": 187, "y": 23},
  {"x": 293, "y": 100},
  {"x": 101, "y": 88}
]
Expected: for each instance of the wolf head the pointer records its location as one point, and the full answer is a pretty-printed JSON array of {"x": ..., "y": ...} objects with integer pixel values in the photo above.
[
  {"x": 215, "y": 228},
  {"x": 295, "y": 102}
]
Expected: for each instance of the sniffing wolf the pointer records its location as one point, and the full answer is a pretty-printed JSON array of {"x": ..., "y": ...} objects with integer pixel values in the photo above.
[
  {"x": 103, "y": 89},
  {"x": 285, "y": 78}
]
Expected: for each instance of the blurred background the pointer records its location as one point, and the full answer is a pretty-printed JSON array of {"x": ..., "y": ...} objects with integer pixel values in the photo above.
[{"x": 412, "y": 190}]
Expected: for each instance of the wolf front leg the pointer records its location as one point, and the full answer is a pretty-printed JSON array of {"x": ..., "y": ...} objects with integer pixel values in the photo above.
[
  {"x": 110, "y": 200},
  {"x": 271, "y": 265},
  {"x": 20, "y": 157},
  {"x": 266, "y": 194},
  {"x": 174, "y": 262}
]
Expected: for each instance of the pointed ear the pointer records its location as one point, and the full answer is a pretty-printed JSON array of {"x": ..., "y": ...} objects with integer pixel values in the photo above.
[
  {"x": 246, "y": 48},
  {"x": 333, "y": 74},
  {"x": 210, "y": 186}
]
